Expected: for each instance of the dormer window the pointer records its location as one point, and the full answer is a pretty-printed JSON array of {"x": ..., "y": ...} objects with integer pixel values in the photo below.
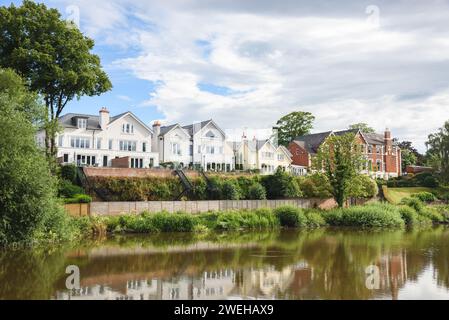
[
  {"x": 210, "y": 134},
  {"x": 128, "y": 128},
  {"x": 81, "y": 123}
]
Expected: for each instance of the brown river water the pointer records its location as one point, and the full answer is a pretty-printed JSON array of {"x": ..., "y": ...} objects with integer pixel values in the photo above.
[{"x": 319, "y": 264}]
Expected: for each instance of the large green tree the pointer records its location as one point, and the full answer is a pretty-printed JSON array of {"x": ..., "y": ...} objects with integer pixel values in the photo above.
[
  {"x": 53, "y": 57},
  {"x": 438, "y": 151},
  {"x": 365, "y": 128},
  {"x": 410, "y": 155},
  {"x": 340, "y": 159},
  {"x": 27, "y": 189},
  {"x": 294, "y": 125}
]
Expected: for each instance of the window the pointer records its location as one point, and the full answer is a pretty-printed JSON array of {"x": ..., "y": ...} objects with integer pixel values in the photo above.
[
  {"x": 110, "y": 144},
  {"x": 191, "y": 150},
  {"x": 127, "y": 145},
  {"x": 82, "y": 123},
  {"x": 98, "y": 143},
  {"x": 199, "y": 149},
  {"x": 280, "y": 157},
  {"x": 370, "y": 149},
  {"x": 85, "y": 160},
  {"x": 176, "y": 149},
  {"x": 268, "y": 155},
  {"x": 60, "y": 141},
  {"x": 210, "y": 134},
  {"x": 80, "y": 142},
  {"x": 136, "y": 163},
  {"x": 210, "y": 149},
  {"x": 128, "y": 128},
  {"x": 66, "y": 157},
  {"x": 379, "y": 165},
  {"x": 144, "y": 147},
  {"x": 378, "y": 148}
]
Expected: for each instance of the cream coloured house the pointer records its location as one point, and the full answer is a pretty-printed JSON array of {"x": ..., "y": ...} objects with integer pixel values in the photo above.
[
  {"x": 261, "y": 155},
  {"x": 200, "y": 145},
  {"x": 99, "y": 140}
]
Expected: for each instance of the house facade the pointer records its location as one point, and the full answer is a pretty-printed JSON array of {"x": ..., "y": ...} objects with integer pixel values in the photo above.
[
  {"x": 261, "y": 155},
  {"x": 382, "y": 156},
  {"x": 200, "y": 145},
  {"x": 104, "y": 141}
]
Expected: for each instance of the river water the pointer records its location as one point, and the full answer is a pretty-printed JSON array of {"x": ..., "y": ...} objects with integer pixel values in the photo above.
[{"x": 319, "y": 264}]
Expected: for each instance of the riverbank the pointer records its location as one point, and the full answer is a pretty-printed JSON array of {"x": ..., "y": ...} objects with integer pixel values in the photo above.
[{"x": 375, "y": 215}]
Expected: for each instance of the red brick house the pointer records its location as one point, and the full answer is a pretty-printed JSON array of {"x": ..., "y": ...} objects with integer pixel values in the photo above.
[{"x": 383, "y": 156}]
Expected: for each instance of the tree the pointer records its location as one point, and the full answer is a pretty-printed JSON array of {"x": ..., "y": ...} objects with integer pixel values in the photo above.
[
  {"x": 340, "y": 159},
  {"x": 294, "y": 125},
  {"x": 438, "y": 151},
  {"x": 408, "y": 159},
  {"x": 408, "y": 149},
  {"x": 365, "y": 128},
  {"x": 53, "y": 57},
  {"x": 27, "y": 189}
]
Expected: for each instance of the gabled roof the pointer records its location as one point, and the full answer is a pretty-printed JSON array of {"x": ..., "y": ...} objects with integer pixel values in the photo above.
[
  {"x": 93, "y": 121},
  {"x": 374, "y": 138},
  {"x": 166, "y": 129},
  {"x": 201, "y": 125},
  {"x": 285, "y": 150},
  {"x": 312, "y": 142},
  {"x": 343, "y": 132}
]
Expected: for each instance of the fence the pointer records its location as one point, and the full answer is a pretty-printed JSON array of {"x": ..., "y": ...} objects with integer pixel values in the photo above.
[{"x": 118, "y": 208}]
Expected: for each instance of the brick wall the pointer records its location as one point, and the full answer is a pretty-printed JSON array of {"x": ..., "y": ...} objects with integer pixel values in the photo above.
[
  {"x": 300, "y": 155},
  {"x": 120, "y": 162}
]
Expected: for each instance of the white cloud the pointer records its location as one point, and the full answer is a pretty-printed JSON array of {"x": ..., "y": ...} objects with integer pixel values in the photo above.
[{"x": 281, "y": 56}]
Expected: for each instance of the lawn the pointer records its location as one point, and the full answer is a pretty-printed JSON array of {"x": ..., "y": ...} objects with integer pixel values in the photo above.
[{"x": 395, "y": 195}]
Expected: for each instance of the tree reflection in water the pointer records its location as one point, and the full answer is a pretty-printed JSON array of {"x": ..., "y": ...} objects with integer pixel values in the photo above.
[{"x": 320, "y": 264}]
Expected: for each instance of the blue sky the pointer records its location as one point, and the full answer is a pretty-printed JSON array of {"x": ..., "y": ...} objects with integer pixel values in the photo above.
[{"x": 247, "y": 63}]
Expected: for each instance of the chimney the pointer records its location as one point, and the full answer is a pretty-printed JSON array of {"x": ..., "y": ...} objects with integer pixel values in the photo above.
[
  {"x": 155, "y": 138},
  {"x": 388, "y": 141},
  {"x": 104, "y": 118}
]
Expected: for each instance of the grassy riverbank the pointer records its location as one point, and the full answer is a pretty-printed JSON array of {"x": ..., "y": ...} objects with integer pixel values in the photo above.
[{"x": 375, "y": 215}]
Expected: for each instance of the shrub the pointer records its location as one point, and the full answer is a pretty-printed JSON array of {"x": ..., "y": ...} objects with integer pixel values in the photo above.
[
  {"x": 433, "y": 215},
  {"x": 409, "y": 215},
  {"x": 430, "y": 182},
  {"x": 315, "y": 219},
  {"x": 362, "y": 186},
  {"x": 372, "y": 215},
  {"x": 281, "y": 185},
  {"x": 78, "y": 198},
  {"x": 425, "y": 196},
  {"x": 415, "y": 203},
  {"x": 291, "y": 217},
  {"x": 70, "y": 173},
  {"x": 230, "y": 190},
  {"x": 67, "y": 189},
  {"x": 256, "y": 192},
  {"x": 315, "y": 186}
]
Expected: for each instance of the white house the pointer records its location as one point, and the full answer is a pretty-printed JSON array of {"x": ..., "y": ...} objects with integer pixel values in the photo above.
[
  {"x": 103, "y": 140},
  {"x": 261, "y": 155},
  {"x": 200, "y": 145}
]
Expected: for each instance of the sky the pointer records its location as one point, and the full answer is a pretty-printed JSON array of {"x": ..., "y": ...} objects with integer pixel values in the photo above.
[{"x": 247, "y": 63}]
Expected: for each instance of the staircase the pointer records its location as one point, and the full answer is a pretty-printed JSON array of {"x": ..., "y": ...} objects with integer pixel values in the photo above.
[{"x": 185, "y": 182}]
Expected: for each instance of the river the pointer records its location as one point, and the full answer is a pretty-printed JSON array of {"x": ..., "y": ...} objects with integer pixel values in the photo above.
[{"x": 320, "y": 264}]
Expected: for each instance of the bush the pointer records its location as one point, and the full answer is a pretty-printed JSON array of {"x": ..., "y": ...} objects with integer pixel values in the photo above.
[
  {"x": 362, "y": 186},
  {"x": 281, "y": 185},
  {"x": 230, "y": 191},
  {"x": 67, "y": 189},
  {"x": 315, "y": 186},
  {"x": 409, "y": 215},
  {"x": 414, "y": 203},
  {"x": 315, "y": 219},
  {"x": 430, "y": 182},
  {"x": 256, "y": 192},
  {"x": 70, "y": 173},
  {"x": 291, "y": 217},
  {"x": 425, "y": 196},
  {"x": 372, "y": 216},
  {"x": 78, "y": 198}
]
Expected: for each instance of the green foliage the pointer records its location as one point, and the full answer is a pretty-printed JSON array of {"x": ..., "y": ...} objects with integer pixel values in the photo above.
[
  {"x": 78, "y": 198},
  {"x": 70, "y": 173},
  {"x": 53, "y": 57},
  {"x": 281, "y": 185},
  {"x": 414, "y": 203},
  {"x": 371, "y": 216},
  {"x": 438, "y": 151},
  {"x": 362, "y": 186},
  {"x": 425, "y": 196},
  {"x": 365, "y": 128},
  {"x": 430, "y": 182},
  {"x": 230, "y": 190},
  {"x": 340, "y": 159},
  {"x": 409, "y": 215},
  {"x": 315, "y": 219},
  {"x": 256, "y": 192},
  {"x": 423, "y": 211},
  {"x": 294, "y": 125},
  {"x": 27, "y": 189},
  {"x": 67, "y": 189},
  {"x": 315, "y": 185},
  {"x": 408, "y": 159},
  {"x": 291, "y": 217}
]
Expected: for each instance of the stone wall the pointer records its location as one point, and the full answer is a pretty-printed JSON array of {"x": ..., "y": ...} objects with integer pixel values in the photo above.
[{"x": 118, "y": 208}]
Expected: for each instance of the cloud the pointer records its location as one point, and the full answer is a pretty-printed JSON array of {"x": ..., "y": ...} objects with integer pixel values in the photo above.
[{"x": 246, "y": 63}]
